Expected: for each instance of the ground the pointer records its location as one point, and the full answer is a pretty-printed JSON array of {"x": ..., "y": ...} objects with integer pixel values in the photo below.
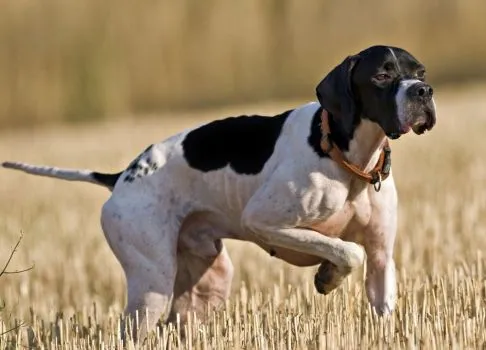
[{"x": 76, "y": 288}]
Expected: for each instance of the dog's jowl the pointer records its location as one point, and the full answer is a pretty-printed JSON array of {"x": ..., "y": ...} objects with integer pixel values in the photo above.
[{"x": 312, "y": 186}]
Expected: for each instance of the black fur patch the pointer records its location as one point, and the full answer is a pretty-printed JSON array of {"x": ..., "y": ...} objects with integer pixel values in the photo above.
[
  {"x": 315, "y": 135},
  {"x": 338, "y": 136},
  {"x": 244, "y": 142}
]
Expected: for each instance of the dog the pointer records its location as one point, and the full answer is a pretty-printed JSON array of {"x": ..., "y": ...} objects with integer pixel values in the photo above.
[{"x": 311, "y": 186}]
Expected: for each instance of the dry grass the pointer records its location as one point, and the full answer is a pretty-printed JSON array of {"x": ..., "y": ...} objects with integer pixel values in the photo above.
[
  {"x": 74, "y": 294},
  {"x": 86, "y": 59}
]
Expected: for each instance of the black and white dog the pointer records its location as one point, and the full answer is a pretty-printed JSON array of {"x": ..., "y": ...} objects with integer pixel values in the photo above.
[{"x": 266, "y": 180}]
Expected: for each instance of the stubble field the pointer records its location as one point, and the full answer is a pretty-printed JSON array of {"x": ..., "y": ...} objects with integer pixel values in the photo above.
[{"x": 75, "y": 292}]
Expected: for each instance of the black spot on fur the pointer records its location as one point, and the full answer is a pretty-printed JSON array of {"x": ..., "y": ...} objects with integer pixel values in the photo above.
[
  {"x": 141, "y": 166},
  {"x": 244, "y": 142},
  {"x": 338, "y": 135},
  {"x": 134, "y": 165}
]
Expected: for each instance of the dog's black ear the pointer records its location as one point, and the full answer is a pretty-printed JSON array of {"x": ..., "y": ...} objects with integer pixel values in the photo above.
[{"x": 335, "y": 93}]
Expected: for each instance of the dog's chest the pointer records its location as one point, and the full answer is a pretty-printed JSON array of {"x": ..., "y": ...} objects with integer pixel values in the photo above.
[
  {"x": 346, "y": 223},
  {"x": 354, "y": 213},
  {"x": 335, "y": 224}
]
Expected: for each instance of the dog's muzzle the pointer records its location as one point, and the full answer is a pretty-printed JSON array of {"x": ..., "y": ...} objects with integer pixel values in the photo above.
[
  {"x": 424, "y": 119},
  {"x": 417, "y": 109}
]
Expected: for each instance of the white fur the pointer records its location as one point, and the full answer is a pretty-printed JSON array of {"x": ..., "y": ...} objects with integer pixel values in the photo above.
[
  {"x": 165, "y": 228},
  {"x": 65, "y": 174},
  {"x": 401, "y": 99},
  {"x": 397, "y": 64}
]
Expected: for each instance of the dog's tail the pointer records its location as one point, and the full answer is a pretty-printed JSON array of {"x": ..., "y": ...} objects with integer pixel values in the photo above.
[{"x": 106, "y": 180}]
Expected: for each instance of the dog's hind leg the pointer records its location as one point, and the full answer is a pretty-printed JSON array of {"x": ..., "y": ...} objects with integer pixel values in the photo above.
[
  {"x": 205, "y": 271},
  {"x": 143, "y": 236},
  {"x": 203, "y": 282}
]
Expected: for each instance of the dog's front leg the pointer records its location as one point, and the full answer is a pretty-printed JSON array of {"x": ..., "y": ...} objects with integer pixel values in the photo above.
[
  {"x": 379, "y": 243},
  {"x": 273, "y": 220},
  {"x": 345, "y": 255}
]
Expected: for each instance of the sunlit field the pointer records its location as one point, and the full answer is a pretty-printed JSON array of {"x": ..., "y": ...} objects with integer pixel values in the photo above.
[{"x": 75, "y": 292}]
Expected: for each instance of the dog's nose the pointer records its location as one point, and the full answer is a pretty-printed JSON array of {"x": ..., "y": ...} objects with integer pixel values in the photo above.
[
  {"x": 425, "y": 91},
  {"x": 421, "y": 91}
]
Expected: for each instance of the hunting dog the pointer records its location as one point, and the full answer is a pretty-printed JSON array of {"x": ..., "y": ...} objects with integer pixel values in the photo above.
[{"x": 312, "y": 185}]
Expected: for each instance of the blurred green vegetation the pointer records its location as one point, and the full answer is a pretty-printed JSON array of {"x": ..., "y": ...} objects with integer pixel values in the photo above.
[{"x": 89, "y": 59}]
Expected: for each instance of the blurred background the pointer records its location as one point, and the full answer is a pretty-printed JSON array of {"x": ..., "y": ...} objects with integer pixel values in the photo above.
[{"x": 65, "y": 61}]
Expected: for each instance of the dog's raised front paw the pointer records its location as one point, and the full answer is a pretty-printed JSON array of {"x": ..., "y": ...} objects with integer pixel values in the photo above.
[{"x": 329, "y": 276}]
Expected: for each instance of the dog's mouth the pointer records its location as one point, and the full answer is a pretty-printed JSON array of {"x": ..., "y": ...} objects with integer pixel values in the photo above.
[
  {"x": 402, "y": 130},
  {"x": 423, "y": 122},
  {"x": 419, "y": 122}
]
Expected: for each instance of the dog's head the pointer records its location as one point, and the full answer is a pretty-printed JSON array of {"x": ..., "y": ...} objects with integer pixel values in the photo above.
[{"x": 383, "y": 84}]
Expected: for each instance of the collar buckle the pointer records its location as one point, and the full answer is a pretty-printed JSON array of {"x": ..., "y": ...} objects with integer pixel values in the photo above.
[{"x": 377, "y": 181}]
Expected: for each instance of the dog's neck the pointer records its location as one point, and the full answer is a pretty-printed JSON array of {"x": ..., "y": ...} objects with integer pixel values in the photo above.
[
  {"x": 361, "y": 140},
  {"x": 366, "y": 144}
]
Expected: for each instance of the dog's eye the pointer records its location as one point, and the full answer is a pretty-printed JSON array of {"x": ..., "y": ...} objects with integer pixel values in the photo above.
[
  {"x": 420, "y": 75},
  {"x": 381, "y": 77}
]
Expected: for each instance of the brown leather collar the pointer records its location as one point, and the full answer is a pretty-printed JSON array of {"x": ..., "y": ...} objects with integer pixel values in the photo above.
[{"x": 378, "y": 174}]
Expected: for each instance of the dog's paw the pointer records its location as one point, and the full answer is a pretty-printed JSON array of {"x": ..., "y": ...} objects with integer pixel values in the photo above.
[{"x": 329, "y": 276}]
